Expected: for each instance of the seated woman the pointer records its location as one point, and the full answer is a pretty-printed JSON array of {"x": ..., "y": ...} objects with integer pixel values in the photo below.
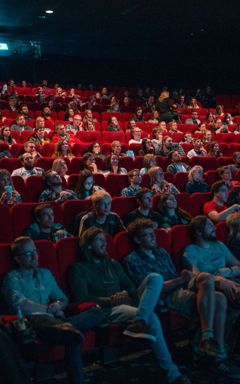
[
  {"x": 44, "y": 227},
  {"x": 157, "y": 182},
  {"x": 8, "y": 194},
  {"x": 112, "y": 165},
  {"x": 225, "y": 174},
  {"x": 170, "y": 213},
  {"x": 155, "y": 118},
  {"x": 207, "y": 138},
  {"x": 96, "y": 150},
  {"x": 113, "y": 125},
  {"x": 187, "y": 138},
  {"x": 147, "y": 147},
  {"x": 89, "y": 163},
  {"x": 219, "y": 112},
  {"x": 149, "y": 161},
  {"x": 135, "y": 136},
  {"x": 139, "y": 114},
  {"x": 6, "y": 136},
  {"x": 85, "y": 185},
  {"x": 114, "y": 105},
  {"x": 233, "y": 240},
  {"x": 202, "y": 128},
  {"x": 228, "y": 119},
  {"x": 193, "y": 103},
  {"x": 237, "y": 130},
  {"x": 39, "y": 137},
  {"x": 196, "y": 182},
  {"x": 89, "y": 126},
  {"x": 214, "y": 149},
  {"x": 30, "y": 147},
  {"x": 210, "y": 118},
  {"x": 60, "y": 166},
  {"x": 62, "y": 150},
  {"x": 219, "y": 127},
  {"x": 69, "y": 114}
]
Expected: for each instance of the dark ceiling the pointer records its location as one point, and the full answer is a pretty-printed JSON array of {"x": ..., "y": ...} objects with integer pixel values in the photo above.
[{"x": 123, "y": 28}]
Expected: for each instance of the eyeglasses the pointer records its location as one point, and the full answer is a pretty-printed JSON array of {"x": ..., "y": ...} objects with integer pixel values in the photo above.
[{"x": 29, "y": 254}]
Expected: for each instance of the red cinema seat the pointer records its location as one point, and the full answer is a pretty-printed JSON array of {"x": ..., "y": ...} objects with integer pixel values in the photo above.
[
  {"x": 78, "y": 149},
  {"x": 34, "y": 187},
  {"x": 4, "y": 146},
  {"x": 135, "y": 148},
  {"x": 180, "y": 180},
  {"x": 6, "y": 234},
  {"x": 16, "y": 136},
  {"x": 115, "y": 183},
  {"x": 224, "y": 160},
  {"x": 22, "y": 216},
  {"x": 48, "y": 257},
  {"x": 106, "y": 115},
  {"x": 19, "y": 185},
  {"x": 122, "y": 245},
  {"x": 72, "y": 208},
  {"x": 25, "y": 135},
  {"x": 197, "y": 201},
  {"x": 225, "y": 137},
  {"x": 145, "y": 180},
  {"x": 183, "y": 200},
  {"x": 17, "y": 149},
  {"x": 179, "y": 239},
  {"x": 211, "y": 177},
  {"x": 67, "y": 254},
  {"x": 222, "y": 231},
  {"x": 207, "y": 162},
  {"x": 89, "y": 136},
  {"x": 109, "y": 137},
  {"x": 123, "y": 205},
  {"x": 163, "y": 239},
  {"x": 47, "y": 149},
  {"x": 138, "y": 162},
  {"x": 10, "y": 164},
  {"x": 234, "y": 147},
  {"x": 76, "y": 165},
  {"x": 224, "y": 149},
  {"x": 45, "y": 163},
  {"x": 126, "y": 162},
  {"x": 168, "y": 176}
]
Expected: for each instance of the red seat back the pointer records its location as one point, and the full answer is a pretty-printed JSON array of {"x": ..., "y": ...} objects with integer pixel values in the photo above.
[
  {"x": 123, "y": 205},
  {"x": 179, "y": 239},
  {"x": 115, "y": 183},
  {"x": 6, "y": 234},
  {"x": 197, "y": 201},
  {"x": 34, "y": 187},
  {"x": 73, "y": 208}
]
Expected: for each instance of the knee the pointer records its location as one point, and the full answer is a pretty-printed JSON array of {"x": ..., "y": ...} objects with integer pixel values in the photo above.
[
  {"x": 206, "y": 280},
  {"x": 220, "y": 301},
  {"x": 155, "y": 279}
]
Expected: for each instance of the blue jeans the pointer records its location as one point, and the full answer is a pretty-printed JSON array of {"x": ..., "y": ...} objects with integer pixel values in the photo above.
[{"x": 149, "y": 292}]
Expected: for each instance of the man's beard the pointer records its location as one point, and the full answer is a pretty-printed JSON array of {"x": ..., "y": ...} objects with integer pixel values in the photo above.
[{"x": 28, "y": 167}]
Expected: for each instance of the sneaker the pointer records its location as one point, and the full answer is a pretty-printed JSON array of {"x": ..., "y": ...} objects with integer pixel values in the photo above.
[
  {"x": 208, "y": 347},
  {"x": 228, "y": 369},
  {"x": 139, "y": 330},
  {"x": 183, "y": 379}
]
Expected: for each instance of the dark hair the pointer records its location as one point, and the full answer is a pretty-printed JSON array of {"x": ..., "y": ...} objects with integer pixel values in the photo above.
[
  {"x": 234, "y": 196},
  {"x": 58, "y": 150},
  {"x": 235, "y": 154},
  {"x": 40, "y": 208},
  {"x": 138, "y": 225},
  {"x": 144, "y": 147},
  {"x": 211, "y": 148},
  {"x": 46, "y": 177},
  {"x": 108, "y": 165},
  {"x": 222, "y": 169},
  {"x": 197, "y": 224},
  {"x": 139, "y": 195},
  {"x": 217, "y": 186},
  {"x": 162, "y": 207},
  {"x": 86, "y": 240},
  {"x": 83, "y": 175},
  {"x": 85, "y": 158},
  {"x": 90, "y": 148},
  {"x": 9, "y": 139}
]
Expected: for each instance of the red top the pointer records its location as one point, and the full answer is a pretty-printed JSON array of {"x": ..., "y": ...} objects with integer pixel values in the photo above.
[{"x": 212, "y": 206}]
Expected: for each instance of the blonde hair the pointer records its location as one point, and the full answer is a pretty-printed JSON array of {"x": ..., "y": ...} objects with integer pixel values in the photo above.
[
  {"x": 193, "y": 170},
  {"x": 152, "y": 174},
  {"x": 99, "y": 195}
]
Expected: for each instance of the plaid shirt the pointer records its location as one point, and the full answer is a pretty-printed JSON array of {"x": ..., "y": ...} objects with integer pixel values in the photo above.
[
  {"x": 113, "y": 224},
  {"x": 130, "y": 191},
  {"x": 138, "y": 265},
  {"x": 48, "y": 195}
]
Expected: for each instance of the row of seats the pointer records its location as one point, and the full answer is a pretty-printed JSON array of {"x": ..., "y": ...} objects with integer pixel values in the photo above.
[{"x": 20, "y": 216}]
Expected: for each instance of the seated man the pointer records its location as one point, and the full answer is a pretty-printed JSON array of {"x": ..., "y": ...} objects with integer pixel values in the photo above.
[
  {"x": 216, "y": 209},
  {"x": 20, "y": 124},
  {"x": 193, "y": 119},
  {"x": 101, "y": 215},
  {"x": 144, "y": 210},
  {"x": 60, "y": 134},
  {"x": 43, "y": 227},
  {"x": 177, "y": 165},
  {"x": 28, "y": 168},
  {"x": 102, "y": 280},
  {"x": 211, "y": 306},
  {"x": 168, "y": 146},
  {"x": 116, "y": 149},
  {"x": 198, "y": 149},
  {"x": 235, "y": 167},
  {"x": 135, "y": 179},
  {"x": 54, "y": 190},
  {"x": 30, "y": 147},
  {"x": 34, "y": 292},
  {"x": 23, "y": 110}
]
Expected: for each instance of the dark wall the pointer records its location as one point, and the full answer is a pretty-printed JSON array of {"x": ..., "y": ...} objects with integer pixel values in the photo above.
[{"x": 179, "y": 70}]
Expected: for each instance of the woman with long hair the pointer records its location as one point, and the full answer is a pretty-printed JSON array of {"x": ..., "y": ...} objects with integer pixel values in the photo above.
[
  {"x": 157, "y": 182},
  {"x": 8, "y": 194},
  {"x": 85, "y": 185},
  {"x": 112, "y": 165},
  {"x": 60, "y": 166},
  {"x": 147, "y": 147},
  {"x": 63, "y": 150},
  {"x": 170, "y": 213},
  {"x": 6, "y": 136},
  {"x": 196, "y": 181}
]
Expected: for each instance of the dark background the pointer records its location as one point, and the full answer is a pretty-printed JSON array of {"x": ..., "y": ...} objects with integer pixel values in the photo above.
[{"x": 126, "y": 42}]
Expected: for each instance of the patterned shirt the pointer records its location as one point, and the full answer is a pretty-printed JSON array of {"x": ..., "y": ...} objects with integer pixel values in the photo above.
[
  {"x": 21, "y": 285},
  {"x": 112, "y": 225},
  {"x": 60, "y": 197},
  {"x": 130, "y": 191},
  {"x": 139, "y": 265},
  {"x": 10, "y": 199},
  {"x": 169, "y": 221}
]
